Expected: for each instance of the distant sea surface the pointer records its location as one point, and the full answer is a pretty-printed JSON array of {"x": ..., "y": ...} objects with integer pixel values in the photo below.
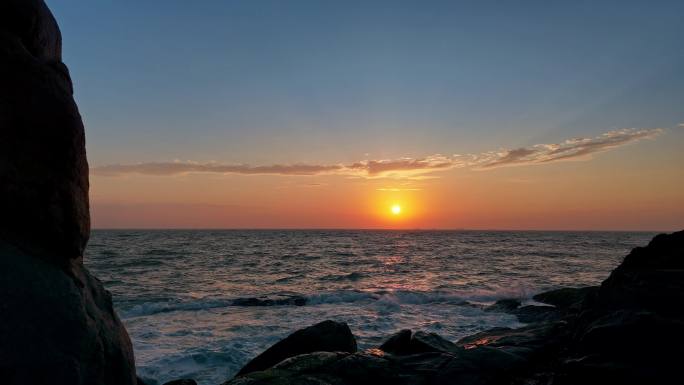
[{"x": 200, "y": 304}]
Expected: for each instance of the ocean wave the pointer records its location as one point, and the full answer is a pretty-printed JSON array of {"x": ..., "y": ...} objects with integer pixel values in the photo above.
[
  {"x": 389, "y": 299},
  {"x": 152, "y": 308},
  {"x": 414, "y": 297}
]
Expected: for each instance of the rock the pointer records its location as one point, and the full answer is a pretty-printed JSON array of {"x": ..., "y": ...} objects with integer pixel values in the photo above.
[
  {"x": 399, "y": 343},
  {"x": 327, "y": 336},
  {"x": 422, "y": 342},
  {"x": 367, "y": 368},
  {"x": 566, "y": 297},
  {"x": 504, "y": 305},
  {"x": 530, "y": 341},
  {"x": 309, "y": 362},
  {"x": 58, "y": 324},
  {"x": 531, "y": 313},
  {"x": 294, "y": 300},
  {"x": 630, "y": 332},
  {"x": 184, "y": 381},
  {"x": 526, "y": 314},
  {"x": 650, "y": 278},
  {"x": 405, "y": 343},
  {"x": 480, "y": 366},
  {"x": 631, "y": 347},
  {"x": 43, "y": 166},
  {"x": 420, "y": 368},
  {"x": 308, "y": 368},
  {"x": 63, "y": 324}
]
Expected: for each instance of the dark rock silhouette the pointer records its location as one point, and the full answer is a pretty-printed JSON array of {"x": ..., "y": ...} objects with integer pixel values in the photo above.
[
  {"x": 399, "y": 343},
  {"x": 628, "y": 331},
  {"x": 57, "y": 324},
  {"x": 327, "y": 336},
  {"x": 405, "y": 343},
  {"x": 184, "y": 381},
  {"x": 504, "y": 305},
  {"x": 43, "y": 166},
  {"x": 650, "y": 278},
  {"x": 566, "y": 297}
]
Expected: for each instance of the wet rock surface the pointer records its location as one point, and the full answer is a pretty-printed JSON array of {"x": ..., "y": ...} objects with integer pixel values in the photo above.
[
  {"x": 628, "y": 331},
  {"x": 327, "y": 336},
  {"x": 566, "y": 297}
]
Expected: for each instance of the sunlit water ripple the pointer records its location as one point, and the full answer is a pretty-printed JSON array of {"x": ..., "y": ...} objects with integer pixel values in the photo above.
[{"x": 183, "y": 293}]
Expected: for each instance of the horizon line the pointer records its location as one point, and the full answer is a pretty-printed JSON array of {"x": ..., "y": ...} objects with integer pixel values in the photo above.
[{"x": 373, "y": 229}]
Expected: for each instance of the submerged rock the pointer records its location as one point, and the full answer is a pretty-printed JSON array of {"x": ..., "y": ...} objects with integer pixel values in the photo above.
[
  {"x": 283, "y": 300},
  {"x": 532, "y": 313},
  {"x": 57, "y": 323},
  {"x": 504, "y": 305},
  {"x": 326, "y": 336}
]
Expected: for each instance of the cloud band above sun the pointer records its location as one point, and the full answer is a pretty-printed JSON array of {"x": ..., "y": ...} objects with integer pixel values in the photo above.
[{"x": 571, "y": 149}]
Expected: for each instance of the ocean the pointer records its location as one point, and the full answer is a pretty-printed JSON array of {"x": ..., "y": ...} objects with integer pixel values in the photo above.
[{"x": 201, "y": 303}]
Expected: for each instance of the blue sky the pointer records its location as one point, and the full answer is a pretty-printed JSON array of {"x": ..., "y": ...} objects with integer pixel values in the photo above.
[{"x": 265, "y": 82}]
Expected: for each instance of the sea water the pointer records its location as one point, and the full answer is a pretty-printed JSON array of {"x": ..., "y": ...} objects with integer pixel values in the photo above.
[{"x": 201, "y": 303}]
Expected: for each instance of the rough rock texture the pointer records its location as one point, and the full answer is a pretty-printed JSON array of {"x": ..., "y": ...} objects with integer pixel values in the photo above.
[
  {"x": 184, "y": 381},
  {"x": 650, "y": 278},
  {"x": 566, "y": 297},
  {"x": 43, "y": 166},
  {"x": 57, "y": 324},
  {"x": 628, "y": 332},
  {"x": 327, "y": 336},
  {"x": 405, "y": 343}
]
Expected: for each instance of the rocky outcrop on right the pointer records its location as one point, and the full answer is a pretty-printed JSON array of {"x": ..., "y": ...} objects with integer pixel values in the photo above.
[{"x": 627, "y": 331}]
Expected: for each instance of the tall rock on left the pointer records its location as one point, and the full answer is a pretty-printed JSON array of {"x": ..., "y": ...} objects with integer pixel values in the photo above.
[{"x": 57, "y": 323}]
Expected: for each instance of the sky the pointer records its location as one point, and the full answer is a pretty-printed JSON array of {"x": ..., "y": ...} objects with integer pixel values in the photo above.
[{"x": 326, "y": 114}]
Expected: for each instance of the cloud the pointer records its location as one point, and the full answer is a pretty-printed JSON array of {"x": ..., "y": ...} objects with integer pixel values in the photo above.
[
  {"x": 178, "y": 168},
  {"x": 403, "y": 168},
  {"x": 571, "y": 149}
]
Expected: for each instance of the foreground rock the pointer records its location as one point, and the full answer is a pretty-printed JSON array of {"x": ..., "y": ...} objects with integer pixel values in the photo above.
[
  {"x": 327, "y": 336},
  {"x": 183, "y": 381},
  {"x": 43, "y": 166},
  {"x": 628, "y": 331},
  {"x": 57, "y": 323}
]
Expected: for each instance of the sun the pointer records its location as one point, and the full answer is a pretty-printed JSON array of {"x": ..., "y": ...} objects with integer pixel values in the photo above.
[{"x": 396, "y": 209}]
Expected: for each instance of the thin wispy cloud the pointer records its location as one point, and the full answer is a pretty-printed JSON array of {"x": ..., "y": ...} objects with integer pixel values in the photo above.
[
  {"x": 571, "y": 149},
  {"x": 410, "y": 168}
]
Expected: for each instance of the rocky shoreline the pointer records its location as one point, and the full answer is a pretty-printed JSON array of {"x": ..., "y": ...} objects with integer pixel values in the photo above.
[
  {"x": 58, "y": 325},
  {"x": 628, "y": 330}
]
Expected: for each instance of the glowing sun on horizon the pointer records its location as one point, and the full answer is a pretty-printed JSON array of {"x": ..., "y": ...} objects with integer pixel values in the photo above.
[{"x": 396, "y": 209}]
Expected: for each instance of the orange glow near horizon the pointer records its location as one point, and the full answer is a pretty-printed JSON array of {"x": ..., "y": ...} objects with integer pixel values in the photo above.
[
  {"x": 602, "y": 194},
  {"x": 397, "y": 209}
]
